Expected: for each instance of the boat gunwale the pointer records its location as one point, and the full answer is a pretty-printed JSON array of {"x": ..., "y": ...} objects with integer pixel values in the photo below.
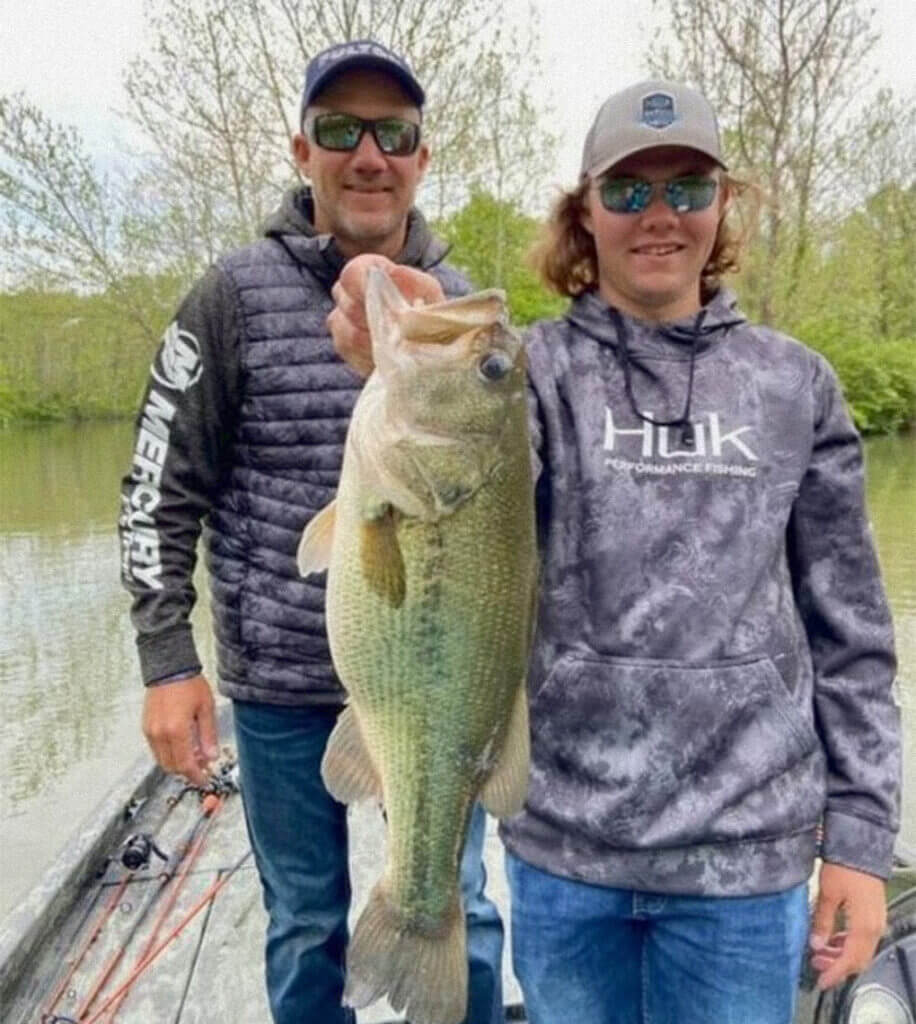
[{"x": 81, "y": 861}]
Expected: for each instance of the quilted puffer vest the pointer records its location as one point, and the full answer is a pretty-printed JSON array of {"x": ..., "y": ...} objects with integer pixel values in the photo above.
[{"x": 295, "y": 401}]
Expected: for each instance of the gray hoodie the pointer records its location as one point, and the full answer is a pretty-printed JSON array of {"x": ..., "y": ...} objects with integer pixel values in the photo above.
[{"x": 713, "y": 669}]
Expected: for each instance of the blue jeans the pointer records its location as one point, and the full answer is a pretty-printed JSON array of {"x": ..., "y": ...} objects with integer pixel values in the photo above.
[
  {"x": 597, "y": 955},
  {"x": 298, "y": 833}
]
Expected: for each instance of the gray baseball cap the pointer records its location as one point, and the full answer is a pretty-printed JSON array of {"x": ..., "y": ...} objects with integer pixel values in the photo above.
[{"x": 648, "y": 114}]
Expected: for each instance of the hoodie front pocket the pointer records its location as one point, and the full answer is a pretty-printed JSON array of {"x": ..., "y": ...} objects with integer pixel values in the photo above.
[{"x": 648, "y": 754}]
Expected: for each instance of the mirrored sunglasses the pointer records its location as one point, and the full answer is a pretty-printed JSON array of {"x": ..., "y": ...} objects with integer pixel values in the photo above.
[
  {"x": 688, "y": 194},
  {"x": 394, "y": 136}
]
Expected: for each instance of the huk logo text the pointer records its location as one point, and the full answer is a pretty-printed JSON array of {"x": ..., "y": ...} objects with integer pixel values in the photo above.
[{"x": 711, "y": 440}]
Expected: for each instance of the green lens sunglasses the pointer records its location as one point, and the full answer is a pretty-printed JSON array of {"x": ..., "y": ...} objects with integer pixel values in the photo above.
[{"x": 394, "y": 136}]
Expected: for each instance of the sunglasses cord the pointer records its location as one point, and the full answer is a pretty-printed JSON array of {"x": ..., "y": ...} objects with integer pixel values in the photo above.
[{"x": 683, "y": 421}]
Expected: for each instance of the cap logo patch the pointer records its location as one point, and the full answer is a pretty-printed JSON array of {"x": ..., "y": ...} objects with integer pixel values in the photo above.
[{"x": 658, "y": 110}]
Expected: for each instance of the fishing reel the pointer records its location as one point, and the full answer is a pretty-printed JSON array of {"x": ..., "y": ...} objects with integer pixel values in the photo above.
[
  {"x": 224, "y": 775},
  {"x": 137, "y": 849}
]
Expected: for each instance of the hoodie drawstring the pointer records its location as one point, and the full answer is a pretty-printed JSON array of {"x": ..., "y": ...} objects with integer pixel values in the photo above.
[{"x": 623, "y": 334}]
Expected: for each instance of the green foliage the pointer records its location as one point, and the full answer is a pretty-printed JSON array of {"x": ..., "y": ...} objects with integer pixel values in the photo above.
[
  {"x": 781, "y": 78},
  {"x": 66, "y": 356},
  {"x": 878, "y": 377},
  {"x": 871, "y": 256},
  {"x": 854, "y": 300},
  {"x": 490, "y": 239}
]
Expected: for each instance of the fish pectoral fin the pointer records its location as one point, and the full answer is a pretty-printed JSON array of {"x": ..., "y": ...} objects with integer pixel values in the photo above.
[
  {"x": 347, "y": 768},
  {"x": 314, "y": 553},
  {"x": 380, "y": 554},
  {"x": 504, "y": 792}
]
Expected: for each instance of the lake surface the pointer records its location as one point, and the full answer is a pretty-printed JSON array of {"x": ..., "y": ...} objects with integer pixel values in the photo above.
[{"x": 69, "y": 686}]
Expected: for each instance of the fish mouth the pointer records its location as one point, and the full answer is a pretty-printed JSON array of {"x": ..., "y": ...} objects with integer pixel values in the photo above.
[{"x": 426, "y": 435}]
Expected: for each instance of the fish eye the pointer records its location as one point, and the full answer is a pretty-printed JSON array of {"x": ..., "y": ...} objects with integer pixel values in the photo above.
[{"x": 494, "y": 366}]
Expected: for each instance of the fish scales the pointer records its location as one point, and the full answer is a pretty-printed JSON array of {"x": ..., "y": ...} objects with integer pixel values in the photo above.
[
  {"x": 431, "y": 553},
  {"x": 425, "y": 732}
]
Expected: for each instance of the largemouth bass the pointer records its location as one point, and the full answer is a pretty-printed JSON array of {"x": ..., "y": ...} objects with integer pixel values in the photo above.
[{"x": 431, "y": 557}]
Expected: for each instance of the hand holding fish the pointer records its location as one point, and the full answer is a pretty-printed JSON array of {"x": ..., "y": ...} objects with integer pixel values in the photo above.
[{"x": 348, "y": 324}]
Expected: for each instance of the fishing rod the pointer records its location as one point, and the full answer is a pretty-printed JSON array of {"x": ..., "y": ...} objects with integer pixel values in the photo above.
[
  {"x": 134, "y": 856},
  {"x": 136, "y": 851},
  {"x": 216, "y": 804},
  {"x": 152, "y": 895},
  {"x": 208, "y": 897},
  {"x": 222, "y": 782}
]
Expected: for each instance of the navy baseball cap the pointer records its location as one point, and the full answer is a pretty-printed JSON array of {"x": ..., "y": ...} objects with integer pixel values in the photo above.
[{"x": 361, "y": 53}]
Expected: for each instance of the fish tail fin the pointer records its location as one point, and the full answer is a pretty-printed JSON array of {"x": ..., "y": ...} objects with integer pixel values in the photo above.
[{"x": 423, "y": 973}]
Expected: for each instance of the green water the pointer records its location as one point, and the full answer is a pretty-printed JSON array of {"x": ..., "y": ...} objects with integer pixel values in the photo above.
[{"x": 69, "y": 689}]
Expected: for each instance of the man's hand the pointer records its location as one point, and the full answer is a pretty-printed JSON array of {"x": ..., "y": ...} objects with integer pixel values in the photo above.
[
  {"x": 347, "y": 322},
  {"x": 836, "y": 955},
  {"x": 179, "y": 722}
]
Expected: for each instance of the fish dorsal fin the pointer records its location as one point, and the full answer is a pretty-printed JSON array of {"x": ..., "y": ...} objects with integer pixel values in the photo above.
[
  {"x": 380, "y": 554},
  {"x": 384, "y": 307},
  {"x": 347, "y": 767},
  {"x": 504, "y": 792},
  {"x": 391, "y": 318},
  {"x": 444, "y": 321},
  {"x": 314, "y": 554}
]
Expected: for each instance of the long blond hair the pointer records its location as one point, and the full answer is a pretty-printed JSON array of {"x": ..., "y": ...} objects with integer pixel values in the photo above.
[{"x": 566, "y": 259}]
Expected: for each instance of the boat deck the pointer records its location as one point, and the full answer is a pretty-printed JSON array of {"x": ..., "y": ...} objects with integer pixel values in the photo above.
[{"x": 212, "y": 971}]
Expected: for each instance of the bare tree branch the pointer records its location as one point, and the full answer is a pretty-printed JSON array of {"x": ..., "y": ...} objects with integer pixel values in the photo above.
[{"x": 781, "y": 75}]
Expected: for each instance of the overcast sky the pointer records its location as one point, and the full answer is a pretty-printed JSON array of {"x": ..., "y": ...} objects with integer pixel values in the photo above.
[{"x": 69, "y": 56}]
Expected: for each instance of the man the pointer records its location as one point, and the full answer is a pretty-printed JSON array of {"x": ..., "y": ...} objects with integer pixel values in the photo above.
[{"x": 242, "y": 426}]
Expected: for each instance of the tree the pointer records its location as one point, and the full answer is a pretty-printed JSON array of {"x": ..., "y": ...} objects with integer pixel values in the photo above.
[
  {"x": 879, "y": 237},
  {"x": 59, "y": 218},
  {"x": 865, "y": 277},
  {"x": 218, "y": 98},
  {"x": 217, "y": 104},
  {"x": 490, "y": 239},
  {"x": 781, "y": 75},
  {"x": 859, "y": 274}
]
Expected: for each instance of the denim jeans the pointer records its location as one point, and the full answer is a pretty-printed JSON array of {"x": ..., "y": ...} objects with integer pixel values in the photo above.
[
  {"x": 597, "y": 955},
  {"x": 298, "y": 833}
]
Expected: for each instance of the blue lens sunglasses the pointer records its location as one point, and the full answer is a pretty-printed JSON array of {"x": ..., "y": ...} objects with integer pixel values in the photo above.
[{"x": 688, "y": 194}]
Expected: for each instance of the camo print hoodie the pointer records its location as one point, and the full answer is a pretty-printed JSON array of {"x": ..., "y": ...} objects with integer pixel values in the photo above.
[{"x": 713, "y": 670}]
